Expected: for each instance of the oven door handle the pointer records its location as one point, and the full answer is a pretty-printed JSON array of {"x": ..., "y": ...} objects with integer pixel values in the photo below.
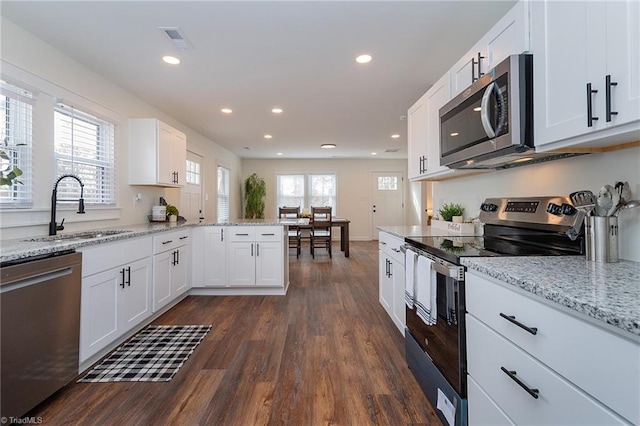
[{"x": 452, "y": 272}]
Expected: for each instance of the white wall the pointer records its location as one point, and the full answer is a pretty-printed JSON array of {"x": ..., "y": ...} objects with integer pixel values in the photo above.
[
  {"x": 558, "y": 177},
  {"x": 354, "y": 186},
  {"x": 29, "y": 60}
]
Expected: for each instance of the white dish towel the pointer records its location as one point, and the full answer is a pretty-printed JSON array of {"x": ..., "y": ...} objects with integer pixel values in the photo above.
[
  {"x": 410, "y": 259},
  {"x": 426, "y": 287}
]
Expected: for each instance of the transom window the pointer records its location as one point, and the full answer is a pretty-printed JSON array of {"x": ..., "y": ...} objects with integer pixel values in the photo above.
[
  {"x": 84, "y": 146},
  {"x": 387, "y": 183},
  {"x": 16, "y": 147}
]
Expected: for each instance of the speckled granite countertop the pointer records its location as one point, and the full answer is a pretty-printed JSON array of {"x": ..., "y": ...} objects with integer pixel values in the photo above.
[
  {"x": 608, "y": 292},
  {"x": 416, "y": 231},
  {"x": 21, "y": 248}
]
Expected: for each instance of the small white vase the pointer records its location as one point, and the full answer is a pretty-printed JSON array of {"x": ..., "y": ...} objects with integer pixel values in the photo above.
[
  {"x": 456, "y": 219},
  {"x": 173, "y": 218}
]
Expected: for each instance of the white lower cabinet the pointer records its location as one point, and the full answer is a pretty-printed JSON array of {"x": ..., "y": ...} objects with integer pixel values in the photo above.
[
  {"x": 539, "y": 364},
  {"x": 116, "y": 292},
  {"x": 391, "y": 278},
  {"x": 256, "y": 256},
  {"x": 170, "y": 266}
]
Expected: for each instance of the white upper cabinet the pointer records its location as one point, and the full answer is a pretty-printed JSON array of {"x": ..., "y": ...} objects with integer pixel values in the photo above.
[
  {"x": 157, "y": 153},
  {"x": 417, "y": 138},
  {"x": 509, "y": 36},
  {"x": 587, "y": 73}
]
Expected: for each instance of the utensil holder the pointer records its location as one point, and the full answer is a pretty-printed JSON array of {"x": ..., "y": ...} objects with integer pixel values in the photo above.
[{"x": 601, "y": 238}]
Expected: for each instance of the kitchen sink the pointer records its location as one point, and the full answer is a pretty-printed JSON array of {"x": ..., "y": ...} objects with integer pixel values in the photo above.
[{"x": 77, "y": 236}]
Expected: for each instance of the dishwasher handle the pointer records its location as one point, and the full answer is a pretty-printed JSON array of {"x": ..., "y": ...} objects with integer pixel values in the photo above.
[{"x": 36, "y": 280}]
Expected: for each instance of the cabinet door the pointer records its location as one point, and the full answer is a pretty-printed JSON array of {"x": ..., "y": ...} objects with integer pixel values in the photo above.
[
  {"x": 179, "y": 157},
  {"x": 165, "y": 152},
  {"x": 179, "y": 283},
  {"x": 134, "y": 300},
  {"x": 437, "y": 96},
  {"x": 397, "y": 284},
  {"x": 215, "y": 257},
  {"x": 269, "y": 264},
  {"x": 510, "y": 36},
  {"x": 384, "y": 283},
  {"x": 162, "y": 270},
  {"x": 465, "y": 71},
  {"x": 623, "y": 60},
  {"x": 99, "y": 311},
  {"x": 483, "y": 411},
  {"x": 242, "y": 264},
  {"x": 417, "y": 138},
  {"x": 565, "y": 52}
]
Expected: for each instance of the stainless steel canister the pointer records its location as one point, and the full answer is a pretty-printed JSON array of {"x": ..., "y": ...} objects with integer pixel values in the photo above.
[{"x": 601, "y": 238}]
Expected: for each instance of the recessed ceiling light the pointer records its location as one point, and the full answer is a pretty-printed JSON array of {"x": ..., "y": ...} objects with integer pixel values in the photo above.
[
  {"x": 396, "y": 136},
  {"x": 279, "y": 153},
  {"x": 276, "y": 110},
  {"x": 364, "y": 59},
  {"x": 374, "y": 153},
  {"x": 268, "y": 136},
  {"x": 171, "y": 60},
  {"x": 328, "y": 145},
  {"x": 226, "y": 110}
]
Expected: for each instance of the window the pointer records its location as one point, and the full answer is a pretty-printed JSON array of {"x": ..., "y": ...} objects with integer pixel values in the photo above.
[
  {"x": 322, "y": 191},
  {"x": 387, "y": 183},
  {"x": 16, "y": 145},
  {"x": 193, "y": 172},
  {"x": 223, "y": 194},
  {"x": 84, "y": 146},
  {"x": 290, "y": 192},
  {"x": 306, "y": 190}
]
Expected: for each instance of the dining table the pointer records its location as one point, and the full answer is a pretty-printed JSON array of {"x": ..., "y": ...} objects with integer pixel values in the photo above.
[{"x": 339, "y": 222}]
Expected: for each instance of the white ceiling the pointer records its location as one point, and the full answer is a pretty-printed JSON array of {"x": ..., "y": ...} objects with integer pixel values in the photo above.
[{"x": 252, "y": 56}]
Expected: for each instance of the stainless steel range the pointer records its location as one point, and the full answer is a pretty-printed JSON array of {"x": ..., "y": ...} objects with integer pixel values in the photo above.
[{"x": 435, "y": 292}]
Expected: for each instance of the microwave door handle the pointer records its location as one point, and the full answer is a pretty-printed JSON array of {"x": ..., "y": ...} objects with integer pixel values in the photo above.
[{"x": 484, "y": 111}]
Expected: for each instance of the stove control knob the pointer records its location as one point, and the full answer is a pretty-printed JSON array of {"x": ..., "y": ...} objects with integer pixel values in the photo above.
[
  {"x": 488, "y": 207},
  {"x": 568, "y": 209},
  {"x": 554, "y": 209}
]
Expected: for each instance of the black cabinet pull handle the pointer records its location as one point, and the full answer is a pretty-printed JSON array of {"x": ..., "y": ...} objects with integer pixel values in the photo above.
[
  {"x": 173, "y": 254},
  {"x": 177, "y": 257},
  {"x": 167, "y": 242},
  {"x": 512, "y": 319},
  {"x": 390, "y": 269},
  {"x": 480, "y": 58},
  {"x": 129, "y": 276},
  {"x": 512, "y": 375},
  {"x": 184, "y": 237},
  {"x": 123, "y": 280},
  {"x": 590, "y": 117},
  {"x": 473, "y": 70},
  {"x": 244, "y": 235},
  {"x": 251, "y": 249},
  {"x": 257, "y": 249},
  {"x": 265, "y": 235},
  {"x": 222, "y": 234},
  {"x": 607, "y": 88}
]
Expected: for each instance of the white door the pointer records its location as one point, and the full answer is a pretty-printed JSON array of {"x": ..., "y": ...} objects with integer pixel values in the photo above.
[
  {"x": 387, "y": 200},
  {"x": 191, "y": 193}
]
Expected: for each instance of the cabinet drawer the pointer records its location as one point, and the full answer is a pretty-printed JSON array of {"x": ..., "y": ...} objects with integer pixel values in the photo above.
[
  {"x": 269, "y": 233},
  {"x": 241, "y": 233},
  {"x": 558, "y": 401},
  {"x": 482, "y": 410},
  {"x": 170, "y": 240},
  {"x": 106, "y": 256},
  {"x": 390, "y": 244},
  {"x": 601, "y": 363}
]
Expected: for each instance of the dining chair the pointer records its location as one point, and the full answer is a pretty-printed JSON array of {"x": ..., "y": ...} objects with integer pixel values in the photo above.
[
  {"x": 320, "y": 229},
  {"x": 294, "y": 231}
]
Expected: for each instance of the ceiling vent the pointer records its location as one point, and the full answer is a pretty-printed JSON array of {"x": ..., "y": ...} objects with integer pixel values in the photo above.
[{"x": 177, "y": 36}]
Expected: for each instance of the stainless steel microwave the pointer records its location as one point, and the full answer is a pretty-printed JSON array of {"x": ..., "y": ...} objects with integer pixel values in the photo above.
[{"x": 490, "y": 124}]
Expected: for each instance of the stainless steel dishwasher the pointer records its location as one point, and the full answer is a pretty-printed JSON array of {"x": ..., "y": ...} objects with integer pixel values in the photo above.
[{"x": 40, "y": 325}]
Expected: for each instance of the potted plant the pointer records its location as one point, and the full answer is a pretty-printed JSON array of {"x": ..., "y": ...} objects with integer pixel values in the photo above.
[
  {"x": 10, "y": 174},
  {"x": 172, "y": 213},
  {"x": 255, "y": 190},
  {"x": 449, "y": 211}
]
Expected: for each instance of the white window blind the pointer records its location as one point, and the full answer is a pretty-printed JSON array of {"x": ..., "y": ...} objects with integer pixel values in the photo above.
[
  {"x": 322, "y": 191},
  {"x": 16, "y": 131},
  {"x": 223, "y": 194},
  {"x": 84, "y": 146},
  {"x": 290, "y": 192}
]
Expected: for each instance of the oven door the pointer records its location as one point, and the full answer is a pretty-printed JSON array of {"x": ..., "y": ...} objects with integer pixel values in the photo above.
[{"x": 444, "y": 342}]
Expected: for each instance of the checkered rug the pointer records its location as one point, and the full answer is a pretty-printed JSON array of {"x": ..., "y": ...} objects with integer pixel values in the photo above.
[{"x": 153, "y": 355}]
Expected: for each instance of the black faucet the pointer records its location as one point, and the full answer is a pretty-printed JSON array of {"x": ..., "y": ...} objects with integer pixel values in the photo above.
[{"x": 53, "y": 226}]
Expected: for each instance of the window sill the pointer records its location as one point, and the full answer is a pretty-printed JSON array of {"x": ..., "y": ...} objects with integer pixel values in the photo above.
[{"x": 15, "y": 218}]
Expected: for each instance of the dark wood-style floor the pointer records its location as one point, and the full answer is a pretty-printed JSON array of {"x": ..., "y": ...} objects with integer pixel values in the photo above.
[{"x": 326, "y": 353}]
